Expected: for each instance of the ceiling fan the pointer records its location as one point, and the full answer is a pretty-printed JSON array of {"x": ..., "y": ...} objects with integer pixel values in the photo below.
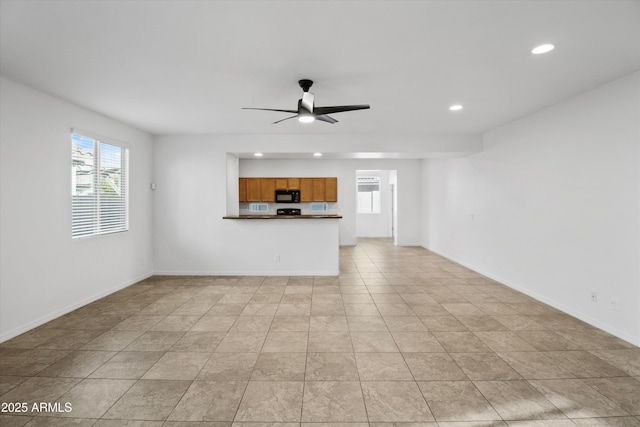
[{"x": 307, "y": 112}]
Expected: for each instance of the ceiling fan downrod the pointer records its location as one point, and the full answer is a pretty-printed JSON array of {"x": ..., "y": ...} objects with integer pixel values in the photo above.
[{"x": 305, "y": 84}]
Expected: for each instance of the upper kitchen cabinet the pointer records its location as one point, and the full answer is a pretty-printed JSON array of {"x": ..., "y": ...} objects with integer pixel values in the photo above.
[
  {"x": 267, "y": 189},
  {"x": 253, "y": 189},
  {"x": 256, "y": 190},
  {"x": 306, "y": 190},
  {"x": 293, "y": 183},
  {"x": 319, "y": 189},
  {"x": 311, "y": 189},
  {"x": 282, "y": 183},
  {"x": 331, "y": 190},
  {"x": 242, "y": 190},
  {"x": 287, "y": 183}
]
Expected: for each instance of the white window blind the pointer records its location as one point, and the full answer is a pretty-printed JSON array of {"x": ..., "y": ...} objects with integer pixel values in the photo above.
[
  {"x": 99, "y": 186},
  {"x": 368, "y": 194}
]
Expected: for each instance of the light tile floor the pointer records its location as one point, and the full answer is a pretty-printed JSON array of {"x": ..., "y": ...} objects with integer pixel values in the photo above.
[{"x": 401, "y": 336}]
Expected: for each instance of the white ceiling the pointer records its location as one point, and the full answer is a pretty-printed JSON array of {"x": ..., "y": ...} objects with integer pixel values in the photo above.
[{"x": 172, "y": 67}]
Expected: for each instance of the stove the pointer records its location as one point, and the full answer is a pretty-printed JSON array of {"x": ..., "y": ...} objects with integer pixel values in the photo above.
[{"x": 288, "y": 211}]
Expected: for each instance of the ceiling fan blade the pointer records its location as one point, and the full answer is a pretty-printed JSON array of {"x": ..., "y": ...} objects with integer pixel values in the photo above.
[
  {"x": 307, "y": 101},
  {"x": 270, "y": 109},
  {"x": 287, "y": 118},
  {"x": 340, "y": 109},
  {"x": 325, "y": 118}
]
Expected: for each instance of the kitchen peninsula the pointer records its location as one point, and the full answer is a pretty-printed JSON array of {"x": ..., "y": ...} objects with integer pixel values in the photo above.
[
  {"x": 290, "y": 226},
  {"x": 288, "y": 246}
]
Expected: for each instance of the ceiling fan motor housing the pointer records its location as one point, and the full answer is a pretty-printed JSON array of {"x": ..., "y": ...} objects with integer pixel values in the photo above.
[{"x": 305, "y": 84}]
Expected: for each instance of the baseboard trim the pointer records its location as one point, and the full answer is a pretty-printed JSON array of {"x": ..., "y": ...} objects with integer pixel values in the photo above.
[
  {"x": 549, "y": 301},
  {"x": 246, "y": 273},
  {"x": 5, "y": 336}
]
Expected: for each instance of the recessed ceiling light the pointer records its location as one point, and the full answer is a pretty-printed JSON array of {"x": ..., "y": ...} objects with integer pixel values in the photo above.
[
  {"x": 543, "y": 48},
  {"x": 258, "y": 154},
  {"x": 456, "y": 107},
  {"x": 317, "y": 154},
  {"x": 306, "y": 118}
]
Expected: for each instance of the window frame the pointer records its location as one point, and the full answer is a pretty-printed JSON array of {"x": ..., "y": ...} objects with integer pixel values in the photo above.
[{"x": 100, "y": 225}]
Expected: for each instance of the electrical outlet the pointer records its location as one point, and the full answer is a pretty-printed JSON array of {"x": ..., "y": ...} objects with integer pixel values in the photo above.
[
  {"x": 615, "y": 304},
  {"x": 594, "y": 297}
]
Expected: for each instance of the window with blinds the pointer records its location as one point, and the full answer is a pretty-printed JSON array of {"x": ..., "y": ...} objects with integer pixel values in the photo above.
[
  {"x": 368, "y": 194},
  {"x": 99, "y": 186}
]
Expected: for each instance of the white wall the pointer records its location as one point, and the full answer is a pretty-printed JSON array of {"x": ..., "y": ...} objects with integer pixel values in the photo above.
[
  {"x": 191, "y": 173},
  {"x": 376, "y": 224},
  {"x": 551, "y": 206},
  {"x": 233, "y": 185},
  {"x": 43, "y": 272}
]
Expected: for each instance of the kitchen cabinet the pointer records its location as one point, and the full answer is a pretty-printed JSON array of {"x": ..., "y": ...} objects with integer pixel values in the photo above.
[
  {"x": 256, "y": 190},
  {"x": 293, "y": 183},
  {"x": 287, "y": 183},
  {"x": 331, "y": 190},
  {"x": 282, "y": 183},
  {"x": 306, "y": 190},
  {"x": 311, "y": 189},
  {"x": 267, "y": 189},
  {"x": 319, "y": 189},
  {"x": 242, "y": 190},
  {"x": 253, "y": 189}
]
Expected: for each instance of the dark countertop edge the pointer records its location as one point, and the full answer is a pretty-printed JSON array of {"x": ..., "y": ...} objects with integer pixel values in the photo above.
[{"x": 283, "y": 217}]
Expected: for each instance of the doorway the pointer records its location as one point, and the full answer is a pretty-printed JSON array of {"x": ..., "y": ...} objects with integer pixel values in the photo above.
[{"x": 376, "y": 204}]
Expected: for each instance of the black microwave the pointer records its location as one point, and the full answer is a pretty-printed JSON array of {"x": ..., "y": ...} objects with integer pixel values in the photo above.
[{"x": 287, "y": 196}]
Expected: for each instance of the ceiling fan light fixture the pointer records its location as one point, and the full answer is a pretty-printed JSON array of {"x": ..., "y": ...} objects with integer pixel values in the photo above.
[
  {"x": 306, "y": 118},
  {"x": 543, "y": 48}
]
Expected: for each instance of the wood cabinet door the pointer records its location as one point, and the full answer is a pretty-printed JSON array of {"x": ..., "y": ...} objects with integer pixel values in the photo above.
[
  {"x": 267, "y": 189},
  {"x": 282, "y": 183},
  {"x": 242, "y": 190},
  {"x": 252, "y": 189},
  {"x": 293, "y": 183},
  {"x": 319, "y": 189},
  {"x": 306, "y": 189},
  {"x": 331, "y": 189}
]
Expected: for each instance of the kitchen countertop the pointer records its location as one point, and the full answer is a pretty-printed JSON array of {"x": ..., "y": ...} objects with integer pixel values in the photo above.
[{"x": 281, "y": 216}]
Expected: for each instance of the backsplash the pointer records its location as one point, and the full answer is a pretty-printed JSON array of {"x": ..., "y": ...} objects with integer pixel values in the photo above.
[{"x": 332, "y": 208}]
